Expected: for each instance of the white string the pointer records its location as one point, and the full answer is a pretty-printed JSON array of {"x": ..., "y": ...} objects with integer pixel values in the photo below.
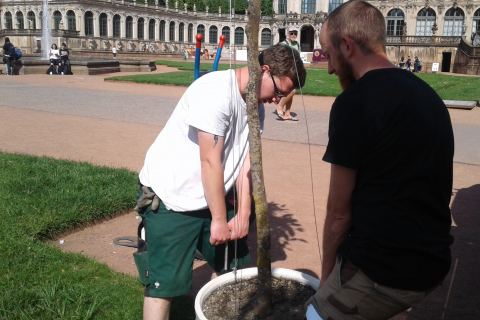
[{"x": 309, "y": 156}]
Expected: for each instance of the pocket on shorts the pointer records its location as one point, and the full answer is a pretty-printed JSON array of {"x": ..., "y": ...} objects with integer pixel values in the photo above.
[
  {"x": 405, "y": 297},
  {"x": 143, "y": 266}
]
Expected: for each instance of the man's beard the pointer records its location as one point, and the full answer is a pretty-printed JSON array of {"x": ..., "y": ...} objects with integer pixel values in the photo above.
[{"x": 345, "y": 72}]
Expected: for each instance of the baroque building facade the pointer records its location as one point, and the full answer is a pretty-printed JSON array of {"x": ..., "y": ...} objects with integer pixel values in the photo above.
[
  {"x": 150, "y": 26},
  {"x": 430, "y": 29}
]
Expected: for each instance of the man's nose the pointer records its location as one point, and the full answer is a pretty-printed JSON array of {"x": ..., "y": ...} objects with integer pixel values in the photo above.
[{"x": 331, "y": 69}]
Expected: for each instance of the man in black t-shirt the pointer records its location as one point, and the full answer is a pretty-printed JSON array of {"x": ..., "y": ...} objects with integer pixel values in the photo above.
[{"x": 386, "y": 239}]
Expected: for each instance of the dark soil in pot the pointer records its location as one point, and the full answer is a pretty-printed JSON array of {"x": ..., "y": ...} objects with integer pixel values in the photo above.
[{"x": 233, "y": 301}]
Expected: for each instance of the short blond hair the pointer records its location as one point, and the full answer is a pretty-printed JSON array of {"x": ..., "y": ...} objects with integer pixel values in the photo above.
[{"x": 360, "y": 21}]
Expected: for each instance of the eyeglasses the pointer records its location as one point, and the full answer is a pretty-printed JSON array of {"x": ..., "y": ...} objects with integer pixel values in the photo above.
[{"x": 276, "y": 91}]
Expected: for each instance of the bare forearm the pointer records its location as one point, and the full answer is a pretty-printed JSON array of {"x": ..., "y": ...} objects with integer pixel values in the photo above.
[
  {"x": 334, "y": 232},
  {"x": 240, "y": 223},
  {"x": 213, "y": 185},
  {"x": 244, "y": 189},
  {"x": 211, "y": 147},
  {"x": 339, "y": 210}
]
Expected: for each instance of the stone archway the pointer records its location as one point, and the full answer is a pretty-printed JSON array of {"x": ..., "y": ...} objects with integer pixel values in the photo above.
[{"x": 307, "y": 38}]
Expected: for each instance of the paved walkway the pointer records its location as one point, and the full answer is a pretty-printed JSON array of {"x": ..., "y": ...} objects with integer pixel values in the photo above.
[{"x": 84, "y": 118}]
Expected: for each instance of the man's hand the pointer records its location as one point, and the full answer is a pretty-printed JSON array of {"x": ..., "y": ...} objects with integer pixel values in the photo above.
[
  {"x": 239, "y": 226},
  {"x": 219, "y": 232}
]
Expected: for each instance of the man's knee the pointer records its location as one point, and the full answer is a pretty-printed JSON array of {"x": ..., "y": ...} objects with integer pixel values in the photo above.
[{"x": 156, "y": 308}]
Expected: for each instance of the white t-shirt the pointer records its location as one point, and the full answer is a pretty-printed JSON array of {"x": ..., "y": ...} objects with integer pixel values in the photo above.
[
  {"x": 54, "y": 54},
  {"x": 172, "y": 165}
]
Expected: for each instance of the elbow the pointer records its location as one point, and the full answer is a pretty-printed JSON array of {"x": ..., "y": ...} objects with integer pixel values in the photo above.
[
  {"x": 206, "y": 164},
  {"x": 339, "y": 216},
  {"x": 209, "y": 163}
]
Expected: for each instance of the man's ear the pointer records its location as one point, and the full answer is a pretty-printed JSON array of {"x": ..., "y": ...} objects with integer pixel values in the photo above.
[
  {"x": 347, "y": 47},
  {"x": 265, "y": 67}
]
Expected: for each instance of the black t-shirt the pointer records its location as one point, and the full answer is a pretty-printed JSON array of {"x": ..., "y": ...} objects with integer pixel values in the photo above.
[
  {"x": 64, "y": 53},
  {"x": 395, "y": 131}
]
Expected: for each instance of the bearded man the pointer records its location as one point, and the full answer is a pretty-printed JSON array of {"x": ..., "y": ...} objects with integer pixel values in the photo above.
[{"x": 386, "y": 239}]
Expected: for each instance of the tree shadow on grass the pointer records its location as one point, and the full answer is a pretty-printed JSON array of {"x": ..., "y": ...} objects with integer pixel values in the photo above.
[{"x": 459, "y": 295}]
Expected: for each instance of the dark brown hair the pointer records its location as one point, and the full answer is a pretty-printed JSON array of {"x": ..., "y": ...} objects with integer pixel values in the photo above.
[
  {"x": 360, "y": 21},
  {"x": 284, "y": 61}
]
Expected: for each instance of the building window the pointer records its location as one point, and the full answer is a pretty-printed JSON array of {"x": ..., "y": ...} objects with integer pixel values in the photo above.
[
  {"x": 88, "y": 23},
  {"x": 141, "y": 28},
  {"x": 57, "y": 17},
  {"x": 171, "y": 33},
  {"x": 213, "y": 35},
  {"x": 151, "y": 29},
  {"x": 266, "y": 38},
  {"x": 71, "y": 21},
  {"x": 239, "y": 36},
  {"x": 103, "y": 24},
  {"x": 116, "y": 26},
  {"x": 308, "y": 6},
  {"x": 129, "y": 27},
  {"x": 190, "y": 33},
  {"x": 20, "y": 23},
  {"x": 395, "y": 22},
  {"x": 282, "y": 6},
  {"x": 201, "y": 30},
  {"x": 334, "y": 4},
  {"x": 181, "y": 32},
  {"x": 162, "y": 30},
  {"x": 453, "y": 24},
  {"x": 226, "y": 34},
  {"x": 8, "y": 21},
  {"x": 425, "y": 22},
  {"x": 476, "y": 22},
  {"x": 31, "y": 20}
]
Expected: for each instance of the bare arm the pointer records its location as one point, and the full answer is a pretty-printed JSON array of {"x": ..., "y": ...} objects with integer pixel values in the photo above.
[
  {"x": 240, "y": 223},
  {"x": 337, "y": 221},
  {"x": 211, "y": 149}
]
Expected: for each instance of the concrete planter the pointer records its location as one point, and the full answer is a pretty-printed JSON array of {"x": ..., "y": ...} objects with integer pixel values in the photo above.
[{"x": 245, "y": 274}]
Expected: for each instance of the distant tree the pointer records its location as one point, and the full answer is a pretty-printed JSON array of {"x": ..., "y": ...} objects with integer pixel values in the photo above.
[
  {"x": 267, "y": 7},
  {"x": 240, "y": 6}
]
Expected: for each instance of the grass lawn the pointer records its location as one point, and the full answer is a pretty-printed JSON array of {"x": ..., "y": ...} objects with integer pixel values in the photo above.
[
  {"x": 319, "y": 82},
  {"x": 41, "y": 198}
]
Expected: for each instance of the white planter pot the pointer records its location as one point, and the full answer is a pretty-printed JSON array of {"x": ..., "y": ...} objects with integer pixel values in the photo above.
[{"x": 245, "y": 274}]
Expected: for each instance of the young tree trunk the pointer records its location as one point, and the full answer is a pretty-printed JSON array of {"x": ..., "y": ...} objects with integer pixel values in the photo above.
[{"x": 264, "y": 294}]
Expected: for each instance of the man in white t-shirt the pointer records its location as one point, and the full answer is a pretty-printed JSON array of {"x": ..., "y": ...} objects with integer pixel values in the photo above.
[{"x": 193, "y": 164}]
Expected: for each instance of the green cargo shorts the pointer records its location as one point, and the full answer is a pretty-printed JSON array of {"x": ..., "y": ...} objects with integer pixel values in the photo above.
[
  {"x": 165, "y": 261},
  {"x": 349, "y": 294}
]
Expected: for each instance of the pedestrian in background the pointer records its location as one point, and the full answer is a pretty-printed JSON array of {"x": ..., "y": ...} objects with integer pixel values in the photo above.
[
  {"x": 285, "y": 105},
  {"x": 9, "y": 56}
]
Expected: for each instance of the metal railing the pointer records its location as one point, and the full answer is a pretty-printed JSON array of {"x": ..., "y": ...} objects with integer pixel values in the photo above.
[
  {"x": 38, "y": 32},
  {"x": 424, "y": 40}
]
